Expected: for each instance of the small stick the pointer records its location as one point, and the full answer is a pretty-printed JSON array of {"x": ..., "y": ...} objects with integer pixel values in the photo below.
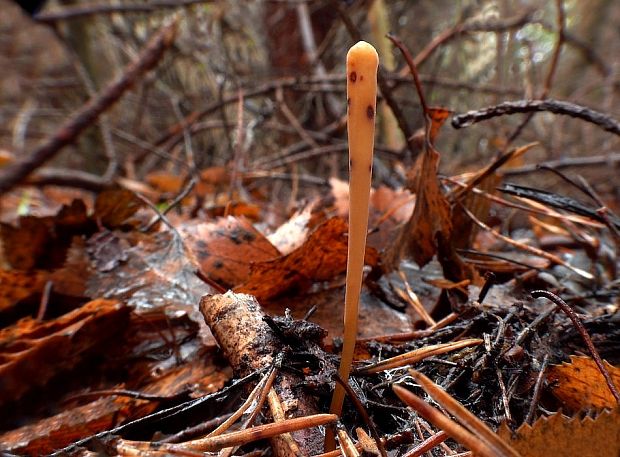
[
  {"x": 572, "y": 315},
  {"x": 428, "y": 444},
  {"x": 259, "y": 432},
  {"x": 539, "y": 381},
  {"x": 604, "y": 121},
  {"x": 362, "y": 412},
  {"x": 530, "y": 249}
]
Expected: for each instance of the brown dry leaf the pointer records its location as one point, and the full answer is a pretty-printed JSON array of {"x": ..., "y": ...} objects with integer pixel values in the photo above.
[
  {"x": 212, "y": 181},
  {"x": 479, "y": 207},
  {"x": 55, "y": 432},
  {"x": 32, "y": 352},
  {"x": 235, "y": 209},
  {"x": 165, "y": 182},
  {"x": 225, "y": 249},
  {"x": 429, "y": 222},
  {"x": 42, "y": 242},
  {"x": 114, "y": 206},
  {"x": 388, "y": 209},
  {"x": 580, "y": 384},
  {"x": 321, "y": 258},
  {"x": 559, "y": 435}
]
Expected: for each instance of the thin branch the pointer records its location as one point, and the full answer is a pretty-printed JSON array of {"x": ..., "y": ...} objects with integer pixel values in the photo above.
[
  {"x": 14, "y": 174},
  {"x": 529, "y": 106},
  {"x": 609, "y": 160},
  {"x": 572, "y": 315},
  {"x": 561, "y": 24},
  {"x": 362, "y": 412}
]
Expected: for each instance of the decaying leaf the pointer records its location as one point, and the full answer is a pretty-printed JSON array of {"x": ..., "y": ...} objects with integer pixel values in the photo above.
[
  {"x": 32, "y": 352},
  {"x": 321, "y": 258},
  {"x": 580, "y": 384},
  {"x": 388, "y": 208},
  {"x": 225, "y": 249},
  {"x": 418, "y": 238},
  {"x": 55, "y": 432},
  {"x": 113, "y": 207},
  {"x": 150, "y": 271},
  {"x": 42, "y": 242},
  {"x": 292, "y": 234},
  {"x": 559, "y": 435}
]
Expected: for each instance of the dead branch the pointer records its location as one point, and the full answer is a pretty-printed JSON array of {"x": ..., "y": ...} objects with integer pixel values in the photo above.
[
  {"x": 529, "y": 106},
  {"x": 88, "y": 113},
  {"x": 249, "y": 344},
  {"x": 470, "y": 27},
  {"x": 610, "y": 160}
]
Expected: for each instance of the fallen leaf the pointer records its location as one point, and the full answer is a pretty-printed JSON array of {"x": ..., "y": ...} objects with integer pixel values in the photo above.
[
  {"x": 321, "y": 258},
  {"x": 580, "y": 384},
  {"x": 32, "y": 352},
  {"x": 42, "y": 242},
  {"x": 558, "y": 435},
  {"x": 165, "y": 182},
  {"x": 115, "y": 206},
  {"x": 225, "y": 249},
  {"x": 418, "y": 238},
  {"x": 292, "y": 234},
  {"x": 438, "y": 115}
]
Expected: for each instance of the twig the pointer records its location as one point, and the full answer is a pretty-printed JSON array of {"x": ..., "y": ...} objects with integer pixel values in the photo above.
[
  {"x": 561, "y": 24},
  {"x": 260, "y": 387},
  {"x": 259, "y": 432},
  {"x": 527, "y": 106},
  {"x": 428, "y": 444},
  {"x": 539, "y": 381},
  {"x": 572, "y": 315},
  {"x": 415, "y": 356},
  {"x": 414, "y": 72},
  {"x": 473, "y": 26},
  {"x": 159, "y": 415},
  {"x": 14, "y": 174},
  {"x": 347, "y": 446},
  {"x": 600, "y": 160},
  {"x": 530, "y": 249},
  {"x": 362, "y": 412}
]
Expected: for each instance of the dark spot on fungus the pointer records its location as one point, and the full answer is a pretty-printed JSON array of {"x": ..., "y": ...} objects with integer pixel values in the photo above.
[
  {"x": 218, "y": 264},
  {"x": 370, "y": 112},
  {"x": 361, "y": 77},
  {"x": 353, "y": 77},
  {"x": 350, "y": 164},
  {"x": 349, "y": 102}
]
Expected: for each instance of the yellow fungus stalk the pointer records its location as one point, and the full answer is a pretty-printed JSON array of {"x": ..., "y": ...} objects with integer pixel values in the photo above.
[{"x": 362, "y": 63}]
